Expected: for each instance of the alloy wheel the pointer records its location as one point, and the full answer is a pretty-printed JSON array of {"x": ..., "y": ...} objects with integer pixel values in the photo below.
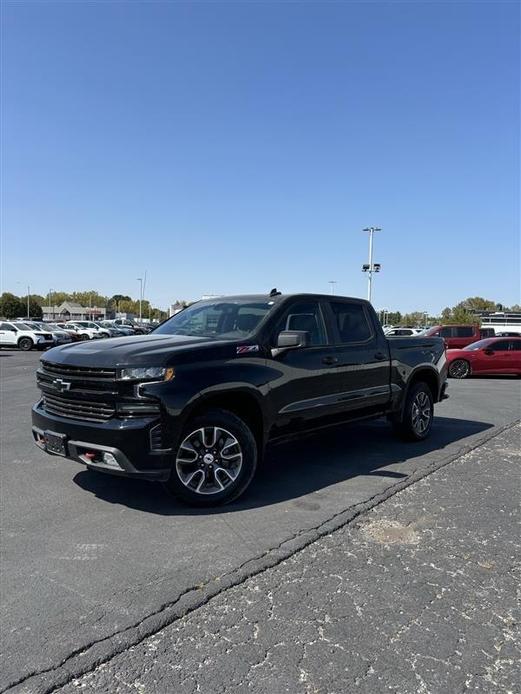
[
  {"x": 209, "y": 460},
  {"x": 459, "y": 369},
  {"x": 421, "y": 413}
]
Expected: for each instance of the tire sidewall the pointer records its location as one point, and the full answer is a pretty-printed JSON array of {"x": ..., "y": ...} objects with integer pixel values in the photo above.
[
  {"x": 237, "y": 427},
  {"x": 25, "y": 341}
]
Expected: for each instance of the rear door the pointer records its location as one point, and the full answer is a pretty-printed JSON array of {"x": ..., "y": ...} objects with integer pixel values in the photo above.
[{"x": 363, "y": 368}]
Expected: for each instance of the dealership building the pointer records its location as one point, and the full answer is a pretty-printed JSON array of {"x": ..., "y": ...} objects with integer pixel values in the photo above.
[{"x": 68, "y": 310}]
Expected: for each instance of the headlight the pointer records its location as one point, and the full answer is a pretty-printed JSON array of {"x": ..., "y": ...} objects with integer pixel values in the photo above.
[{"x": 150, "y": 373}]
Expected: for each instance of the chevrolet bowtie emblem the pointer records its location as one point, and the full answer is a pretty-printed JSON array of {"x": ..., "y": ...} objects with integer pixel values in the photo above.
[{"x": 61, "y": 385}]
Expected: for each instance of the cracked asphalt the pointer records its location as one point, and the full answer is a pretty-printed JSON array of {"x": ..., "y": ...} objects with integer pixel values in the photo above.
[
  {"x": 420, "y": 594},
  {"x": 91, "y": 564}
]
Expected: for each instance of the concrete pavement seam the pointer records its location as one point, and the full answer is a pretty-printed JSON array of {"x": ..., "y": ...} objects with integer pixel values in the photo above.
[{"x": 90, "y": 656}]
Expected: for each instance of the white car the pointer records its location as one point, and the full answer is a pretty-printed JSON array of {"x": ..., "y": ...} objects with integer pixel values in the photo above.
[
  {"x": 403, "y": 332},
  {"x": 84, "y": 333},
  {"x": 25, "y": 337},
  {"x": 98, "y": 330}
]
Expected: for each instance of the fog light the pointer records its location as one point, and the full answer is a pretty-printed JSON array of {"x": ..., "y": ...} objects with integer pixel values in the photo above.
[{"x": 110, "y": 460}]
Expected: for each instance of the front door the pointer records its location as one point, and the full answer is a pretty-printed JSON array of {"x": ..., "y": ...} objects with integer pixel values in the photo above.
[{"x": 305, "y": 380}]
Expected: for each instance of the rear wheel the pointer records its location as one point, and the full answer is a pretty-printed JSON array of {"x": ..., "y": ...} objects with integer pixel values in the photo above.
[
  {"x": 215, "y": 461},
  {"x": 84, "y": 337},
  {"x": 25, "y": 344},
  {"x": 459, "y": 368},
  {"x": 415, "y": 424}
]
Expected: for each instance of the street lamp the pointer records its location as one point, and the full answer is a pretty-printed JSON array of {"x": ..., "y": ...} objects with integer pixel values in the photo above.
[
  {"x": 140, "y": 280},
  {"x": 371, "y": 267},
  {"x": 333, "y": 283},
  {"x": 28, "y": 300},
  {"x": 50, "y": 299}
]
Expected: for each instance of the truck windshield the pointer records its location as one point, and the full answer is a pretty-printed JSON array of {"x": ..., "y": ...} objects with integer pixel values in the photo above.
[{"x": 225, "y": 320}]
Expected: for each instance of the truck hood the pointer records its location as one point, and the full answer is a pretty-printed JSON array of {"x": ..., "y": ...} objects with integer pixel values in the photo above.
[{"x": 137, "y": 350}]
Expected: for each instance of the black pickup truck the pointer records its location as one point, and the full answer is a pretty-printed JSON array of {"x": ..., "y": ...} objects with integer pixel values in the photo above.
[{"x": 194, "y": 403}]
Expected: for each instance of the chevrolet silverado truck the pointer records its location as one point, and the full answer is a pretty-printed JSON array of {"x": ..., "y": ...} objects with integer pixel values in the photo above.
[{"x": 194, "y": 403}]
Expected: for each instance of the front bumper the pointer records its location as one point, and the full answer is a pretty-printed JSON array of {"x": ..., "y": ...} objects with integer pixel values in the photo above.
[{"x": 122, "y": 447}]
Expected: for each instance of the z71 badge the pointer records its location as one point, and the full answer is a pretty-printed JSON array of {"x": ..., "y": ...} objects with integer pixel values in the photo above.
[{"x": 247, "y": 349}]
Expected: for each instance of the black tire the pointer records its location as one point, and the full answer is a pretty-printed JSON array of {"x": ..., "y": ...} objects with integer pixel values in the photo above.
[
  {"x": 84, "y": 337},
  {"x": 459, "y": 368},
  {"x": 25, "y": 344},
  {"x": 206, "y": 475},
  {"x": 415, "y": 423}
]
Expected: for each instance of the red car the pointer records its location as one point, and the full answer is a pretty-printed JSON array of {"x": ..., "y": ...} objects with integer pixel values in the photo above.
[
  {"x": 494, "y": 355},
  {"x": 456, "y": 336}
]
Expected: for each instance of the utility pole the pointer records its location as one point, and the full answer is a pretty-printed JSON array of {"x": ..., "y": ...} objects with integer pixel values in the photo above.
[
  {"x": 140, "y": 280},
  {"x": 371, "y": 267},
  {"x": 333, "y": 283}
]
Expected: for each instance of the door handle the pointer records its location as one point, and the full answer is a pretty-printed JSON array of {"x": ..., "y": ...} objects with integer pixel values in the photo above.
[
  {"x": 380, "y": 356},
  {"x": 330, "y": 360}
]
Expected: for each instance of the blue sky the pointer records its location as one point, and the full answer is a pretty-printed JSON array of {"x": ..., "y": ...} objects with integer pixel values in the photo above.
[{"x": 234, "y": 147}]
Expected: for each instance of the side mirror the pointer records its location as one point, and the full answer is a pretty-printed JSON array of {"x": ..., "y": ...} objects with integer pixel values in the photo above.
[{"x": 290, "y": 339}]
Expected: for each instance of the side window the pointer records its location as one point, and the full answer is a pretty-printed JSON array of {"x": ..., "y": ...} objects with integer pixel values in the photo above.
[
  {"x": 446, "y": 332},
  {"x": 5, "y": 326},
  {"x": 465, "y": 331},
  {"x": 351, "y": 322},
  {"x": 517, "y": 345},
  {"x": 501, "y": 346},
  {"x": 303, "y": 315}
]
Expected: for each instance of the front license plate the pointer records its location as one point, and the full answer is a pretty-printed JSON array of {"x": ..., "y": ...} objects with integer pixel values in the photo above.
[{"x": 55, "y": 443}]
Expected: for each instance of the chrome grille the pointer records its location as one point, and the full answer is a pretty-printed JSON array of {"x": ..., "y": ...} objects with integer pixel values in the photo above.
[
  {"x": 78, "y": 409},
  {"x": 77, "y": 372}
]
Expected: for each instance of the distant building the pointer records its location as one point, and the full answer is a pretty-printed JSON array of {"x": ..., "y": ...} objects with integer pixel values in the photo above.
[{"x": 69, "y": 310}]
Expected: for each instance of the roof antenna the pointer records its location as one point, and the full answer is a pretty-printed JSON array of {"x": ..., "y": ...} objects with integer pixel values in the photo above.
[{"x": 275, "y": 292}]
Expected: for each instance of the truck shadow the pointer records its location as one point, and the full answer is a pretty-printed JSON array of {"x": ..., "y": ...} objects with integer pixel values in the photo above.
[{"x": 293, "y": 470}]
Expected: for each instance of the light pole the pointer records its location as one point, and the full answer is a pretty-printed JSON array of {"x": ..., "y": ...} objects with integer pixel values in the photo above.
[
  {"x": 50, "y": 299},
  {"x": 28, "y": 299},
  {"x": 140, "y": 280},
  {"x": 333, "y": 283},
  {"x": 371, "y": 267}
]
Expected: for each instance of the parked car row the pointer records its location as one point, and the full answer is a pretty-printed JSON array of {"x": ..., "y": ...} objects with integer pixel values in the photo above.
[
  {"x": 25, "y": 336},
  {"x": 30, "y": 334}
]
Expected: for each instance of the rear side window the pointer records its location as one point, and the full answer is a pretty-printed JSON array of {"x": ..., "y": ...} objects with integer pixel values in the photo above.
[
  {"x": 351, "y": 322},
  {"x": 446, "y": 332},
  {"x": 464, "y": 331}
]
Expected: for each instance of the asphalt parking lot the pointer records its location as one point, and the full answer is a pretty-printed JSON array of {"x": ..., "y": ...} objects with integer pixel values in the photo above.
[{"x": 91, "y": 563}]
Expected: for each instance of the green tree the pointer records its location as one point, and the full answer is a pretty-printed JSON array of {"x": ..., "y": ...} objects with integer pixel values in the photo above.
[
  {"x": 115, "y": 301},
  {"x": 35, "y": 308},
  {"x": 89, "y": 298},
  {"x": 476, "y": 303},
  {"x": 11, "y": 306}
]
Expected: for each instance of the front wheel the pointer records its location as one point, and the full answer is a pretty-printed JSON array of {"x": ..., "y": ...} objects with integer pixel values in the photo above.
[
  {"x": 215, "y": 461},
  {"x": 415, "y": 423},
  {"x": 25, "y": 344},
  {"x": 84, "y": 337},
  {"x": 459, "y": 368}
]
